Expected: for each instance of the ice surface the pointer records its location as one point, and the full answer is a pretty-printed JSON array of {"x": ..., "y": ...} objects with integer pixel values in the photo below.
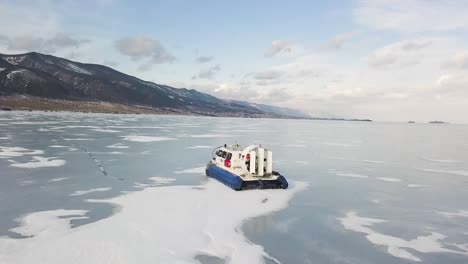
[
  {"x": 388, "y": 179},
  {"x": 295, "y": 145},
  {"x": 200, "y": 170},
  {"x": 396, "y": 246},
  {"x": 302, "y": 162},
  {"x": 168, "y": 224},
  {"x": 57, "y": 146},
  {"x": 146, "y": 138},
  {"x": 40, "y": 162},
  {"x": 460, "y": 213},
  {"x": 335, "y": 144},
  {"x": 285, "y": 225},
  {"x": 78, "y": 193}
]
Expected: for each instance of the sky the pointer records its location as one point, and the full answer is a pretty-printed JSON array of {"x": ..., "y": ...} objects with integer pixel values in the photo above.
[{"x": 388, "y": 60}]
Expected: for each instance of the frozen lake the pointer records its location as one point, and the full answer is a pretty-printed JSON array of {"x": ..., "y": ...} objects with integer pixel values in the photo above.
[{"x": 95, "y": 188}]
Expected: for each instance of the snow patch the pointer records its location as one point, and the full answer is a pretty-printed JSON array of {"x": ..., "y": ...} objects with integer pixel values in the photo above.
[
  {"x": 79, "y": 193},
  {"x": 352, "y": 175},
  {"x": 105, "y": 130},
  {"x": 41, "y": 223},
  {"x": 150, "y": 227},
  {"x": 79, "y": 139},
  {"x": 12, "y": 73},
  {"x": 335, "y": 144},
  {"x": 40, "y": 162},
  {"x": 210, "y": 136},
  {"x": 156, "y": 182},
  {"x": 388, "y": 179},
  {"x": 200, "y": 147},
  {"x": 162, "y": 180},
  {"x": 193, "y": 170},
  {"x": 416, "y": 185},
  {"x": 57, "y": 179},
  {"x": 146, "y": 138},
  {"x": 454, "y": 172},
  {"x": 118, "y": 146},
  {"x": 374, "y": 161},
  {"x": 77, "y": 69},
  {"x": 15, "y": 60},
  {"x": 345, "y": 174},
  {"x": 442, "y": 160},
  {"x": 18, "y": 152},
  {"x": 396, "y": 246}
]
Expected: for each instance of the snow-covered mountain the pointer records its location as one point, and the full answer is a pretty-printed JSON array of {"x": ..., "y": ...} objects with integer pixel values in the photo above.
[{"x": 49, "y": 77}]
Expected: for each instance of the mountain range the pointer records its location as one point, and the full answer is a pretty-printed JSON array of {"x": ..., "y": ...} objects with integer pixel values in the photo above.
[{"x": 38, "y": 81}]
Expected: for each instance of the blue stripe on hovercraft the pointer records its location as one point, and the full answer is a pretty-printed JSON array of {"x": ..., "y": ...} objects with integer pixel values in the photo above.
[{"x": 229, "y": 179}]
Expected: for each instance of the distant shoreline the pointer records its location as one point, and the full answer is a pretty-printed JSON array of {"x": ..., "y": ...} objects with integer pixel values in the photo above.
[{"x": 32, "y": 103}]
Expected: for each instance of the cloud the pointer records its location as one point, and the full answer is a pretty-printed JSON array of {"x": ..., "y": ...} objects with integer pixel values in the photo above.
[
  {"x": 29, "y": 18},
  {"x": 452, "y": 84},
  {"x": 62, "y": 40},
  {"x": 243, "y": 91},
  {"x": 144, "y": 48},
  {"x": 276, "y": 95},
  {"x": 458, "y": 61},
  {"x": 39, "y": 44},
  {"x": 399, "y": 54},
  {"x": 279, "y": 47},
  {"x": 208, "y": 73},
  {"x": 413, "y": 16},
  {"x": 338, "y": 41},
  {"x": 204, "y": 59},
  {"x": 268, "y": 75}
]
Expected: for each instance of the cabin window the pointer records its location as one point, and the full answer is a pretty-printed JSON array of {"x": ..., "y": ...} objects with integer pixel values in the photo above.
[
  {"x": 219, "y": 153},
  {"x": 224, "y": 154},
  {"x": 229, "y": 156}
]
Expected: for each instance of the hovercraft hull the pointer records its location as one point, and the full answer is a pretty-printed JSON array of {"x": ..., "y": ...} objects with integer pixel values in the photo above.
[{"x": 236, "y": 183}]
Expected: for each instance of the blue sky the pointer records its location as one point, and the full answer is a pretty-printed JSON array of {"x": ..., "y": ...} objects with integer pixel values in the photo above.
[{"x": 389, "y": 60}]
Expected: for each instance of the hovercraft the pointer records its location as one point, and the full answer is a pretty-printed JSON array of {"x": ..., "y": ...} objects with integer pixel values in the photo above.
[{"x": 245, "y": 168}]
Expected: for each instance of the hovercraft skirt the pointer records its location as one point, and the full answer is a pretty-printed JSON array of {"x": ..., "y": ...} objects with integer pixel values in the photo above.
[{"x": 236, "y": 183}]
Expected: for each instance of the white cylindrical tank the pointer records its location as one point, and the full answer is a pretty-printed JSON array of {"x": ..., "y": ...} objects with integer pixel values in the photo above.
[
  {"x": 269, "y": 162},
  {"x": 261, "y": 161},
  {"x": 252, "y": 162}
]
